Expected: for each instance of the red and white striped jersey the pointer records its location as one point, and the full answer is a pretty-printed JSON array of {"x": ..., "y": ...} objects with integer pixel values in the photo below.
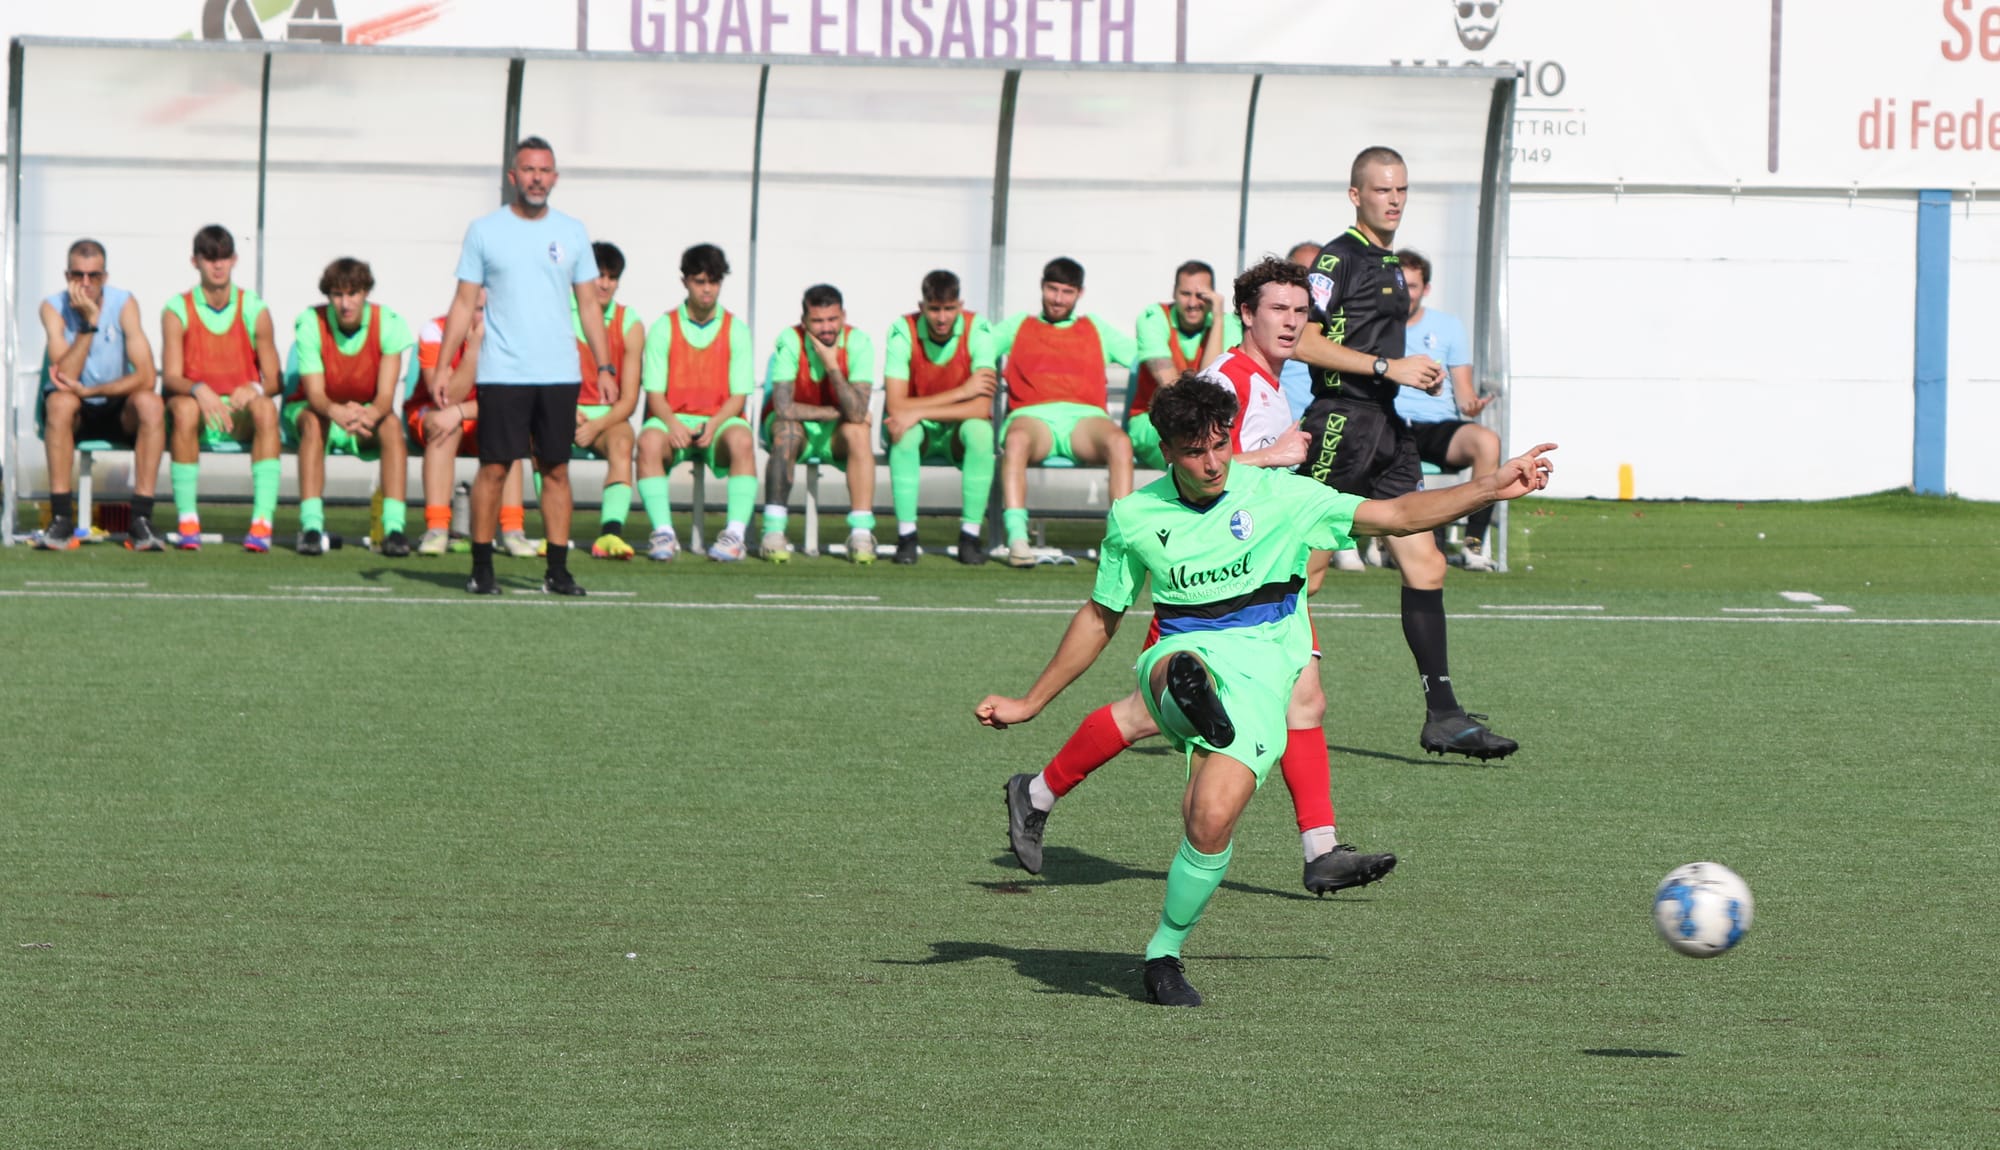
[{"x": 1261, "y": 412}]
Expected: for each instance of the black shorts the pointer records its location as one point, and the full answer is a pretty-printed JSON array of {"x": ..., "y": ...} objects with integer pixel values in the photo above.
[
  {"x": 1433, "y": 441},
  {"x": 519, "y": 419},
  {"x": 1360, "y": 449},
  {"x": 103, "y": 421}
]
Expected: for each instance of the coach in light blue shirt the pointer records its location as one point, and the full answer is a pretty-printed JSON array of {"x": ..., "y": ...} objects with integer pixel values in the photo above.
[{"x": 535, "y": 265}]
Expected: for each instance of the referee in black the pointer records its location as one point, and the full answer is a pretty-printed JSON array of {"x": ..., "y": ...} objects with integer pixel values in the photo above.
[{"x": 1359, "y": 444}]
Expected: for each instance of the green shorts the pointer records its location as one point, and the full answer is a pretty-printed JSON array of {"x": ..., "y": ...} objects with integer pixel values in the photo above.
[
  {"x": 1254, "y": 673},
  {"x": 821, "y": 435},
  {"x": 939, "y": 441},
  {"x": 1145, "y": 443},
  {"x": 339, "y": 440},
  {"x": 1062, "y": 420},
  {"x": 707, "y": 454}
]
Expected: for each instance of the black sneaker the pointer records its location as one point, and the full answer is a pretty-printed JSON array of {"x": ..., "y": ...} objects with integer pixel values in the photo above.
[
  {"x": 1189, "y": 684},
  {"x": 1464, "y": 734},
  {"x": 1343, "y": 867},
  {"x": 907, "y": 550},
  {"x": 396, "y": 545},
  {"x": 1024, "y": 824},
  {"x": 971, "y": 549},
  {"x": 560, "y": 583},
  {"x": 478, "y": 586},
  {"x": 141, "y": 537},
  {"x": 59, "y": 535},
  {"x": 1167, "y": 985},
  {"x": 311, "y": 543}
]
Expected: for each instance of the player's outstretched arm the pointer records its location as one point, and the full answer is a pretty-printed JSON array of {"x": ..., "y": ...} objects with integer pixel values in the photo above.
[
  {"x": 1090, "y": 631},
  {"x": 1424, "y": 510}
]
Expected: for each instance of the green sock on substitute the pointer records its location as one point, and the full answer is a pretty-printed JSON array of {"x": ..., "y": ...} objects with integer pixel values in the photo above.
[
  {"x": 617, "y": 505},
  {"x": 1191, "y": 882},
  {"x": 906, "y": 466},
  {"x": 977, "y": 485},
  {"x": 653, "y": 495},
  {"x": 742, "y": 497},
  {"x": 1016, "y": 519},
  {"x": 395, "y": 516},
  {"x": 774, "y": 519},
  {"x": 861, "y": 521},
  {"x": 187, "y": 480},
  {"x": 264, "y": 475},
  {"x": 312, "y": 515}
]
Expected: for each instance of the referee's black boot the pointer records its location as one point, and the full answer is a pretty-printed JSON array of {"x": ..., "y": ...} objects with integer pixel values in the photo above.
[
  {"x": 1344, "y": 867},
  {"x": 560, "y": 583},
  {"x": 907, "y": 550},
  {"x": 1167, "y": 985},
  {"x": 478, "y": 586},
  {"x": 1464, "y": 734},
  {"x": 1194, "y": 691}
]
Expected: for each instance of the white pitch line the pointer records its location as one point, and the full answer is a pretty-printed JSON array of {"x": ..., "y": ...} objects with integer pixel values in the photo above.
[
  {"x": 1541, "y": 607},
  {"x": 58, "y": 583},
  {"x": 1821, "y": 609},
  {"x": 335, "y": 590},
  {"x": 827, "y": 598},
  {"x": 1324, "y": 607},
  {"x": 1800, "y": 597},
  {"x": 1034, "y": 602},
  {"x": 555, "y": 601}
]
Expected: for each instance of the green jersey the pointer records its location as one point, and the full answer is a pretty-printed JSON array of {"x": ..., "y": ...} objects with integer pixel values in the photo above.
[
  {"x": 1236, "y": 565},
  {"x": 855, "y": 342},
  {"x": 659, "y": 349},
  {"x": 219, "y": 321},
  {"x": 1117, "y": 345},
  {"x": 307, "y": 354},
  {"x": 896, "y": 347},
  {"x": 1154, "y": 330}
]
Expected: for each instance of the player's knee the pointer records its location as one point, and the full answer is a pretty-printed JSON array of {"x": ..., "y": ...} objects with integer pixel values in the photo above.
[
  {"x": 148, "y": 407},
  {"x": 61, "y": 405},
  {"x": 1421, "y": 563},
  {"x": 263, "y": 414},
  {"x": 976, "y": 435},
  {"x": 1209, "y": 825}
]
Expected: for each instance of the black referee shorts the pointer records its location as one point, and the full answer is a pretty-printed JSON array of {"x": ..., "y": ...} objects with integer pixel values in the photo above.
[
  {"x": 519, "y": 419},
  {"x": 1360, "y": 449},
  {"x": 1433, "y": 441}
]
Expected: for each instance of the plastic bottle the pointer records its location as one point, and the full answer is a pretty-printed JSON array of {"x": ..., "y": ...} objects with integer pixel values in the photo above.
[
  {"x": 375, "y": 520},
  {"x": 461, "y": 510}
]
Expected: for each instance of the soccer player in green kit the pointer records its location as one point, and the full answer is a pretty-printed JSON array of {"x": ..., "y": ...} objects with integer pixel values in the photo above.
[
  {"x": 604, "y": 424},
  {"x": 1222, "y": 547},
  {"x": 939, "y": 403},
  {"x": 1174, "y": 338}
]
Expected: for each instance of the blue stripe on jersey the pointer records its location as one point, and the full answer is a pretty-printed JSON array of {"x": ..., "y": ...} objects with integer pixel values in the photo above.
[{"x": 1254, "y": 615}]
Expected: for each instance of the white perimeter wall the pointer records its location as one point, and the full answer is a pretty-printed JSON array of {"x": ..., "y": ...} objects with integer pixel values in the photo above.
[{"x": 1972, "y": 465}]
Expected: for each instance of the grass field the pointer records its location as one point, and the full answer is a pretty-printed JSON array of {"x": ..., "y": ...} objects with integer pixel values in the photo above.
[{"x": 704, "y": 865}]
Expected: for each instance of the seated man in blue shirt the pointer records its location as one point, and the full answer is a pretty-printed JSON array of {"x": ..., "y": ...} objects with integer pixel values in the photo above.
[{"x": 1441, "y": 424}]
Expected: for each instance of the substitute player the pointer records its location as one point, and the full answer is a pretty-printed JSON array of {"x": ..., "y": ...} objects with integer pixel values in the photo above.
[
  {"x": 1221, "y": 545},
  {"x": 822, "y": 372},
  {"x": 1056, "y": 395},
  {"x": 938, "y": 382},
  {"x": 1360, "y": 445},
  {"x": 1442, "y": 424},
  {"x": 1173, "y": 339},
  {"x": 219, "y": 360},
  {"x": 604, "y": 425},
  {"x": 347, "y": 366},
  {"x": 698, "y": 377},
  {"x": 445, "y": 430},
  {"x": 1271, "y": 300}
]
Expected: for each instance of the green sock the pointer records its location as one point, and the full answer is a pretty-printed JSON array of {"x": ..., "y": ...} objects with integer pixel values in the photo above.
[
  {"x": 617, "y": 505},
  {"x": 395, "y": 516},
  {"x": 774, "y": 519},
  {"x": 186, "y": 479},
  {"x": 312, "y": 514},
  {"x": 1016, "y": 519},
  {"x": 264, "y": 475},
  {"x": 906, "y": 465},
  {"x": 742, "y": 496},
  {"x": 977, "y": 489},
  {"x": 861, "y": 521},
  {"x": 1191, "y": 882},
  {"x": 653, "y": 493}
]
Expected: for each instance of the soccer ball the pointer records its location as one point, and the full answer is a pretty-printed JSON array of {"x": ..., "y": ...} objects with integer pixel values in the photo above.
[{"x": 1702, "y": 909}]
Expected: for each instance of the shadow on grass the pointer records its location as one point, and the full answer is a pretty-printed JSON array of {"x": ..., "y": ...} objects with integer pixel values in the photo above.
[
  {"x": 451, "y": 578},
  {"x": 1628, "y": 1052},
  {"x": 1428, "y": 761},
  {"x": 1088, "y": 973},
  {"x": 1067, "y": 866}
]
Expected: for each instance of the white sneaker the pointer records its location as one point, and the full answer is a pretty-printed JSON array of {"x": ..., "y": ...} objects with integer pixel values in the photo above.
[
  {"x": 1473, "y": 557},
  {"x": 435, "y": 541},
  {"x": 1020, "y": 553},
  {"x": 861, "y": 546},
  {"x": 1348, "y": 560},
  {"x": 663, "y": 545},
  {"x": 517, "y": 544},
  {"x": 727, "y": 548},
  {"x": 1374, "y": 554},
  {"x": 775, "y": 547}
]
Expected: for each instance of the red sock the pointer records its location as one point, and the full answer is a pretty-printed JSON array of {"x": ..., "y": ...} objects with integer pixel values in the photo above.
[
  {"x": 1309, "y": 777},
  {"x": 1096, "y": 742}
]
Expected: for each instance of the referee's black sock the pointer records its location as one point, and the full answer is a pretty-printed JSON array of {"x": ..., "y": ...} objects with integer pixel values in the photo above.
[
  {"x": 482, "y": 561},
  {"x": 558, "y": 559},
  {"x": 1423, "y": 630},
  {"x": 1478, "y": 523}
]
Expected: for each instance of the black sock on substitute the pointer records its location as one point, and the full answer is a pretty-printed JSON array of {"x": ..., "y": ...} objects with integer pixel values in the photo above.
[
  {"x": 558, "y": 559},
  {"x": 482, "y": 561},
  {"x": 62, "y": 505},
  {"x": 142, "y": 507},
  {"x": 1478, "y": 523},
  {"x": 1423, "y": 630}
]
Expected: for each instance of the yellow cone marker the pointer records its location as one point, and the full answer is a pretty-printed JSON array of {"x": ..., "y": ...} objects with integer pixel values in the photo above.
[{"x": 1624, "y": 481}]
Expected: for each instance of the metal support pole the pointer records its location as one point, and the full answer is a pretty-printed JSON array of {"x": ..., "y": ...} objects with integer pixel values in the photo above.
[
  {"x": 1933, "y": 338},
  {"x": 517, "y": 69},
  {"x": 757, "y": 187},
  {"x": 1489, "y": 312},
  {"x": 10, "y": 442},
  {"x": 996, "y": 267},
  {"x": 1243, "y": 200},
  {"x": 263, "y": 162}
]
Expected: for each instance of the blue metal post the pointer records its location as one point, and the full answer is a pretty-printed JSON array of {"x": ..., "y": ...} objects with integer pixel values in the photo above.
[{"x": 1933, "y": 335}]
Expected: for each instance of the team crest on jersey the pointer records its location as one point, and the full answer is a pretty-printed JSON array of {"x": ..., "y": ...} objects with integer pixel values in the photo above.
[
  {"x": 555, "y": 252},
  {"x": 1241, "y": 525}
]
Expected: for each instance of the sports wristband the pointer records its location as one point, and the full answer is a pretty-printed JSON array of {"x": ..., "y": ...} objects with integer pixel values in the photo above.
[{"x": 91, "y": 330}]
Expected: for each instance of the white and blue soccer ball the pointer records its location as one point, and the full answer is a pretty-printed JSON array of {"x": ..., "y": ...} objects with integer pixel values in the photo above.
[{"x": 1702, "y": 910}]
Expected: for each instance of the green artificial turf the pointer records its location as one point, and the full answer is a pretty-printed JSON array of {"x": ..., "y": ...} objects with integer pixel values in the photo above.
[{"x": 693, "y": 868}]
